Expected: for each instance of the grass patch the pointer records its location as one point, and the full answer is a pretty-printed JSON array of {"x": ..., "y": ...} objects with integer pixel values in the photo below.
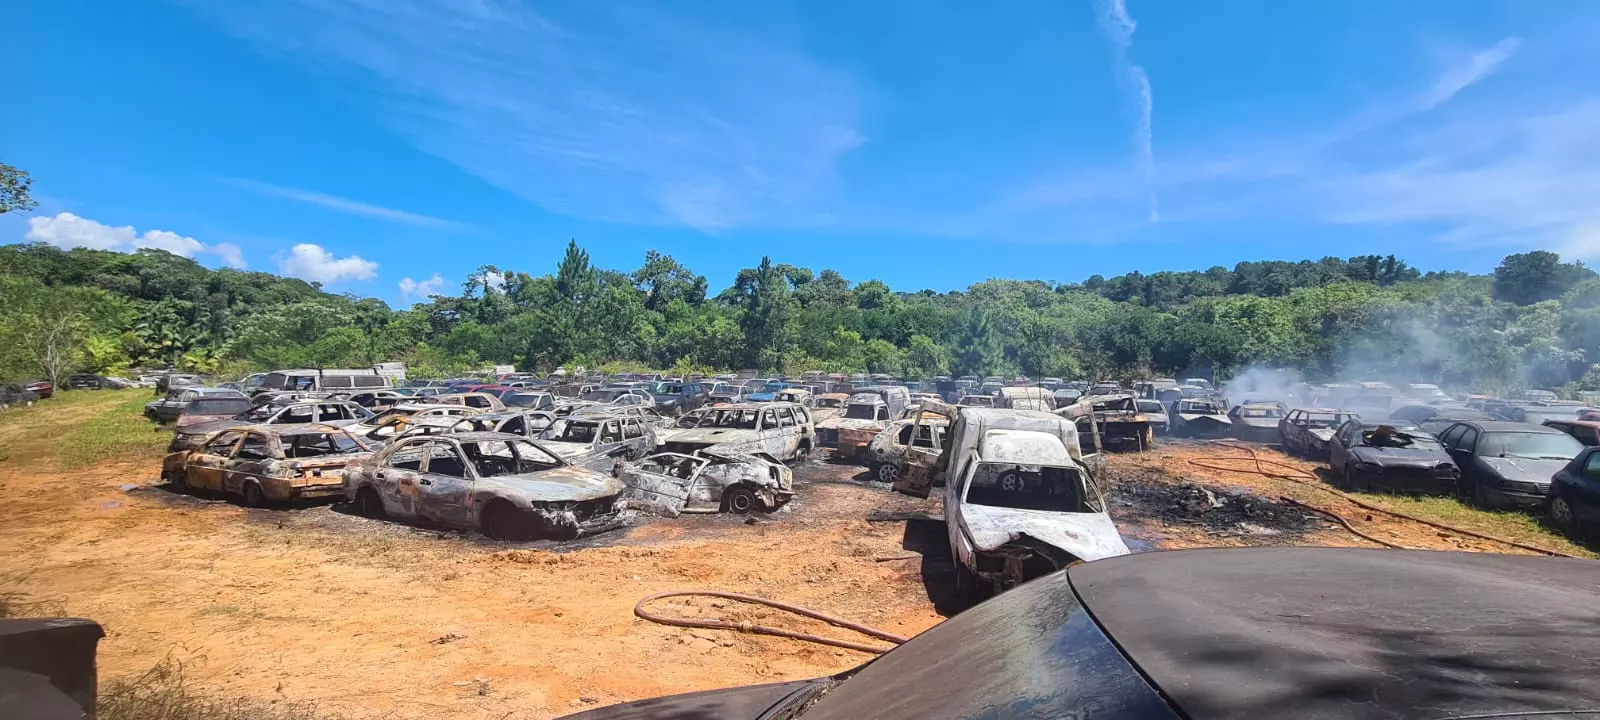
[
  {"x": 77, "y": 428},
  {"x": 165, "y": 693},
  {"x": 1519, "y": 526},
  {"x": 121, "y": 432}
]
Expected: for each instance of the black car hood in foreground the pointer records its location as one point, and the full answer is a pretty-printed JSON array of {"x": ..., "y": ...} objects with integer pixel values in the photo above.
[
  {"x": 1341, "y": 633},
  {"x": 1304, "y": 633},
  {"x": 740, "y": 703}
]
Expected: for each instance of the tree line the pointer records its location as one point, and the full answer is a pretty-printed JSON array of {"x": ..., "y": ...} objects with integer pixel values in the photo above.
[{"x": 1534, "y": 322}]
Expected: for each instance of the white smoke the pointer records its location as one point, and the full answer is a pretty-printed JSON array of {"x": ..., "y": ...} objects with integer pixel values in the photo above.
[{"x": 1119, "y": 28}]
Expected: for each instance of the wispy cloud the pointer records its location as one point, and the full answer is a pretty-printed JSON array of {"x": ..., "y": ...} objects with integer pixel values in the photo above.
[
  {"x": 1463, "y": 76},
  {"x": 346, "y": 205},
  {"x": 66, "y": 230},
  {"x": 1119, "y": 28},
  {"x": 630, "y": 112},
  {"x": 421, "y": 289}
]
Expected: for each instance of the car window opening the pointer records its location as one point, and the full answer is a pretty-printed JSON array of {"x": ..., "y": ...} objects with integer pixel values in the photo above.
[{"x": 1030, "y": 487}]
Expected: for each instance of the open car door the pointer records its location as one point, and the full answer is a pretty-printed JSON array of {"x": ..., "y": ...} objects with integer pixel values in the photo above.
[
  {"x": 916, "y": 476},
  {"x": 660, "y": 484}
]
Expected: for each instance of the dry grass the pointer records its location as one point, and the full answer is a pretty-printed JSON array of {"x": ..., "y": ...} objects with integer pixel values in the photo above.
[
  {"x": 1519, "y": 526},
  {"x": 163, "y": 693}
]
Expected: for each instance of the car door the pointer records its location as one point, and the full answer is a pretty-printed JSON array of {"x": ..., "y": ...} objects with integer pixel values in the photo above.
[
  {"x": 663, "y": 483},
  {"x": 255, "y": 458},
  {"x": 961, "y": 547},
  {"x": 1463, "y": 451},
  {"x": 916, "y": 476},
  {"x": 444, "y": 485},
  {"x": 395, "y": 473},
  {"x": 203, "y": 471}
]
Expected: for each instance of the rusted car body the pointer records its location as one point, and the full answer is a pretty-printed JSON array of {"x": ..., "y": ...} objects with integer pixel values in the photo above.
[
  {"x": 887, "y": 452},
  {"x": 1023, "y": 507},
  {"x": 1200, "y": 417},
  {"x": 1026, "y": 398},
  {"x": 385, "y": 425},
  {"x": 598, "y": 440},
  {"x": 337, "y": 413},
  {"x": 1257, "y": 421},
  {"x": 263, "y": 464},
  {"x": 783, "y": 430},
  {"x": 797, "y": 395},
  {"x": 1119, "y": 421},
  {"x": 865, "y": 415},
  {"x": 982, "y": 401},
  {"x": 829, "y": 406},
  {"x": 505, "y": 486},
  {"x": 711, "y": 480},
  {"x": 1306, "y": 431}
]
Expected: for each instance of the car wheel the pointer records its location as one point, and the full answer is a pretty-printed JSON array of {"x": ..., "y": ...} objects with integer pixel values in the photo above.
[
  {"x": 886, "y": 472},
  {"x": 1561, "y": 516},
  {"x": 178, "y": 480},
  {"x": 501, "y": 521},
  {"x": 739, "y": 500},
  {"x": 368, "y": 504},
  {"x": 801, "y": 455},
  {"x": 253, "y": 496}
]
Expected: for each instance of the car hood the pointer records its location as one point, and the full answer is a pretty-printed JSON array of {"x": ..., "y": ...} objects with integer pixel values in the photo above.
[
  {"x": 209, "y": 426},
  {"x": 564, "y": 484},
  {"x": 1202, "y": 417},
  {"x": 708, "y": 436},
  {"x": 566, "y": 450},
  {"x": 1259, "y": 422},
  {"x": 739, "y": 703},
  {"x": 1519, "y": 469},
  {"x": 1089, "y": 536},
  {"x": 1401, "y": 457},
  {"x": 844, "y": 423}
]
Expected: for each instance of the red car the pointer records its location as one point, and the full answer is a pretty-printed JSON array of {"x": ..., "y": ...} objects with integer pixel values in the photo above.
[
  {"x": 495, "y": 390},
  {"x": 43, "y": 388}
]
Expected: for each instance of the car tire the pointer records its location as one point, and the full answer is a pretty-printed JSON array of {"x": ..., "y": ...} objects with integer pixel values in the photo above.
[
  {"x": 253, "y": 495},
  {"x": 739, "y": 500},
  {"x": 179, "y": 481},
  {"x": 502, "y": 521},
  {"x": 1561, "y": 517},
  {"x": 368, "y": 504},
  {"x": 885, "y": 472}
]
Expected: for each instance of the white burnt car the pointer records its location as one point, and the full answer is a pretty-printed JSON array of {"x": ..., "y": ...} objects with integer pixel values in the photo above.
[
  {"x": 505, "y": 486},
  {"x": 886, "y": 455},
  {"x": 1019, "y": 507},
  {"x": 711, "y": 480},
  {"x": 782, "y": 430}
]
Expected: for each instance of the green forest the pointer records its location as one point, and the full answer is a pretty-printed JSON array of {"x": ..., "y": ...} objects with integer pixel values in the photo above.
[{"x": 1534, "y": 322}]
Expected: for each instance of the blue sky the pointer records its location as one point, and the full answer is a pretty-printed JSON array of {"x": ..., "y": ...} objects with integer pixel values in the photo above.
[{"x": 389, "y": 147}]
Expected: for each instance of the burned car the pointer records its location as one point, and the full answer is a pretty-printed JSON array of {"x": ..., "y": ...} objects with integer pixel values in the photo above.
[
  {"x": 1257, "y": 421},
  {"x": 598, "y": 440},
  {"x": 1160, "y": 421},
  {"x": 982, "y": 401},
  {"x": 1392, "y": 458},
  {"x": 1200, "y": 417},
  {"x": 1306, "y": 431},
  {"x": 505, "y": 486},
  {"x": 829, "y": 406},
  {"x": 849, "y": 434},
  {"x": 1117, "y": 418},
  {"x": 713, "y": 479},
  {"x": 782, "y": 430},
  {"x": 886, "y": 455},
  {"x": 476, "y": 400},
  {"x": 1022, "y": 507},
  {"x": 262, "y": 464},
  {"x": 391, "y": 422},
  {"x": 338, "y": 413}
]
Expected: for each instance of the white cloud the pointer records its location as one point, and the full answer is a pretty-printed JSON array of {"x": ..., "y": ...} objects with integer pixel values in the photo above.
[
  {"x": 1119, "y": 28},
  {"x": 626, "y": 112},
  {"x": 66, "y": 230},
  {"x": 1479, "y": 66},
  {"x": 347, "y": 206},
  {"x": 314, "y": 264},
  {"x": 413, "y": 289},
  {"x": 494, "y": 280}
]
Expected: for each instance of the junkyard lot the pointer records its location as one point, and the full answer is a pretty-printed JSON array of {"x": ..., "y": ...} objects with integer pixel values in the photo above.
[{"x": 368, "y": 618}]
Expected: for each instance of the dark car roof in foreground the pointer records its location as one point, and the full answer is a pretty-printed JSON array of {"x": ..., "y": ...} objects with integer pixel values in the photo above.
[{"x": 1346, "y": 633}]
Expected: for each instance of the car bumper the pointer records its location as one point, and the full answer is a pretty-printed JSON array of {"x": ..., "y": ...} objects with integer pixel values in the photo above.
[
  {"x": 1516, "y": 499},
  {"x": 284, "y": 491}
]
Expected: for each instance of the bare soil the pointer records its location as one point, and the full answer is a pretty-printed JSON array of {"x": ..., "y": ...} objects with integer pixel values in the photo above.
[{"x": 370, "y": 618}]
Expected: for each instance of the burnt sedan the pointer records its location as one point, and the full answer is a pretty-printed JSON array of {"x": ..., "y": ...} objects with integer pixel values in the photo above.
[
  {"x": 263, "y": 464},
  {"x": 1257, "y": 421},
  {"x": 1393, "y": 458},
  {"x": 505, "y": 486},
  {"x": 1307, "y": 431},
  {"x": 1191, "y": 634}
]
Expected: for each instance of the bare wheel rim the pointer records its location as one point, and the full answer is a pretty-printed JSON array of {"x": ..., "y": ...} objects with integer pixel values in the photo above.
[
  {"x": 1561, "y": 513},
  {"x": 741, "y": 501},
  {"x": 887, "y": 472}
]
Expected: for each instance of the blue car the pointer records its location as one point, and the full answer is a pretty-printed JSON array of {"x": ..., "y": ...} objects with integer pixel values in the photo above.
[{"x": 769, "y": 391}]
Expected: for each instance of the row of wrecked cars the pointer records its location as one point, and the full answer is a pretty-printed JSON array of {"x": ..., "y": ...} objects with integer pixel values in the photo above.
[{"x": 459, "y": 460}]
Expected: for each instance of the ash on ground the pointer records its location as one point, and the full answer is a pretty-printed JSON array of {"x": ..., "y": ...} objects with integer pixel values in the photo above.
[{"x": 1162, "y": 497}]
